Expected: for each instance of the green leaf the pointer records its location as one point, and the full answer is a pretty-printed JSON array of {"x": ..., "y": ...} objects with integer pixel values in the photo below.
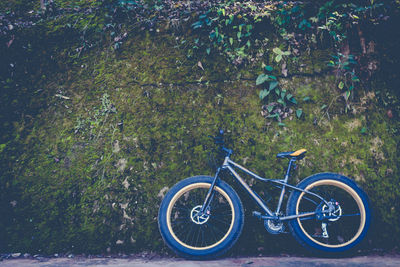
[
  {"x": 286, "y": 53},
  {"x": 272, "y": 85},
  {"x": 248, "y": 43},
  {"x": 363, "y": 130},
  {"x": 278, "y": 58},
  {"x": 283, "y": 93},
  {"x": 277, "y": 50},
  {"x": 197, "y": 24},
  {"x": 347, "y": 95},
  {"x": 239, "y": 34},
  {"x": 323, "y": 106},
  {"x": 281, "y": 124},
  {"x": 273, "y": 115},
  {"x": 231, "y": 40},
  {"x": 212, "y": 35},
  {"x": 2, "y": 146},
  {"x": 289, "y": 96},
  {"x": 270, "y": 108},
  {"x": 262, "y": 78},
  {"x": 293, "y": 100},
  {"x": 341, "y": 85},
  {"x": 298, "y": 113},
  {"x": 307, "y": 98},
  {"x": 277, "y": 91},
  {"x": 280, "y": 101},
  {"x": 263, "y": 93},
  {"x": 269, "y": 68},
  {"x": 208, "y": 50}
]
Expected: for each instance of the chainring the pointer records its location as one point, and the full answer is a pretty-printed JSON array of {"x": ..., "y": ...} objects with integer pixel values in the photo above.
[{"x": 274, "y": 226}]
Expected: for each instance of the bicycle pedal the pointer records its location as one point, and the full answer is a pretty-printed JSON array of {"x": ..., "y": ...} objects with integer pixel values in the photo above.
[{"x": 257, "y": 214}]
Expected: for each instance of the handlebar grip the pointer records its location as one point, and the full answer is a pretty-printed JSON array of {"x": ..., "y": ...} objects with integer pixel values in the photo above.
[{"x": 219, "y": 139}]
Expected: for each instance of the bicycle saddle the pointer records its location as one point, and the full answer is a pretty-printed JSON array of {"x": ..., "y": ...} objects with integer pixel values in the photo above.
[{"x": 298, "y": 154}]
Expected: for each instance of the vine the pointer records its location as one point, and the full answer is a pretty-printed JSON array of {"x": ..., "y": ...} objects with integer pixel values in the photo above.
[
  {"x": 232, "y": 28},
  {"x": 242, "y": 32}
]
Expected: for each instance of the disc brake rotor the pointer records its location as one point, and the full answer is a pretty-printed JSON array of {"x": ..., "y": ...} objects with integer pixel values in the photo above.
[
  {"x": 197, "y": 217},
  {"x": 333, "y": 215}
]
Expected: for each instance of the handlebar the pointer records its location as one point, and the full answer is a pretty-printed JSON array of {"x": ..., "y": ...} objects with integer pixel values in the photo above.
[{"x": 219, "y": 140}]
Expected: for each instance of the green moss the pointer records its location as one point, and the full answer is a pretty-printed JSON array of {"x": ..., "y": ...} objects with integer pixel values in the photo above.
[{"x": 97, "y": 186}]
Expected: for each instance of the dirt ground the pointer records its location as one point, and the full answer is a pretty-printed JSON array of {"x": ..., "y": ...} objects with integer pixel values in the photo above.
[{"x": 387, "y": 260}]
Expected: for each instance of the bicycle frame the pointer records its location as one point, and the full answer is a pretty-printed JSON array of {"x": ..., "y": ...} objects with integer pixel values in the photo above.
[{"x": 229, "y": 165}]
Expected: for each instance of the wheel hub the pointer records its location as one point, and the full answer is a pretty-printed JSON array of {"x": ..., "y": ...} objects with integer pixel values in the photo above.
[
  {"x": 199, "y": 217},
  {"x": 332, "y": 211}
]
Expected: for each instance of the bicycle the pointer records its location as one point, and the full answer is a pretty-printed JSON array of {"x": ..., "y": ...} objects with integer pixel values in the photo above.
[{"x": 202, "y": 217}]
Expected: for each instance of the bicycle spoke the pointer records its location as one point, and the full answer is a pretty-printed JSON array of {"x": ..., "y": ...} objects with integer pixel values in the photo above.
[
  {"x": 212, "y": 231},
  {"x": 216, "y": 228},
  {"x": 341, "y": 225},
  {"x": 202, "y": 237},
  {"x": 205, "y": 230},
  {"x": 194, "y": 234},
  {"x": 198, "y": 235},
  {"x": 349, "y": 215},
  {"x": 224, "y": 222}
]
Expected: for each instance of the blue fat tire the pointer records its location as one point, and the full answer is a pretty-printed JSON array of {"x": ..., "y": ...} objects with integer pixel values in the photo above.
[
  {"x": 308, "y": 243},
  {"x": 213, "y": 252}
]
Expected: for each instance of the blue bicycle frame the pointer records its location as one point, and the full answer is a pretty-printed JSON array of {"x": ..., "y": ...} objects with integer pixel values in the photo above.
[{"x": 229, "y": 165}]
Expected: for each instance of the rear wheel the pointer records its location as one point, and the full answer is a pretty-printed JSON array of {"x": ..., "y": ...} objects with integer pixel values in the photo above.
[
  {"x": 339, "y": 224},
  {"x": 196, "y": 235}
]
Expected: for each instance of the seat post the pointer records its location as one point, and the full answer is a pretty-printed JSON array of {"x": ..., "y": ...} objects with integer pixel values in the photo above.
[
  {"x": 288, "y": 169},
  {"x": 278, "y": 208}
]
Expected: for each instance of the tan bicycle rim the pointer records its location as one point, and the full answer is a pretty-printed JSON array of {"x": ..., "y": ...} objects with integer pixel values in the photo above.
[
  {"x": 183, "y": 191},
  {"x": 355, "y": 196}
]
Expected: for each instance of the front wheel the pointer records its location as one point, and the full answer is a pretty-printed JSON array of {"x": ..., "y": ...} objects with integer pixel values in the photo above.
[
  {"x": 200, "y": 236},
  {"x": 340, "y": 223}
]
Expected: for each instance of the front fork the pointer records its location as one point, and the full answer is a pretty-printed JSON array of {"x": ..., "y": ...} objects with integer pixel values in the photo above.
[{"x": 210, "y": 195}]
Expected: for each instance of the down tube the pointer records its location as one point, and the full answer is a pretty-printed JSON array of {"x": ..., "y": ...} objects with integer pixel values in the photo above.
[{"x": 248, "y": 189}]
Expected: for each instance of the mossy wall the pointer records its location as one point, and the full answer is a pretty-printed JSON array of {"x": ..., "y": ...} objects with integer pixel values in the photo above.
[{"x": 119, "y": 129}]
